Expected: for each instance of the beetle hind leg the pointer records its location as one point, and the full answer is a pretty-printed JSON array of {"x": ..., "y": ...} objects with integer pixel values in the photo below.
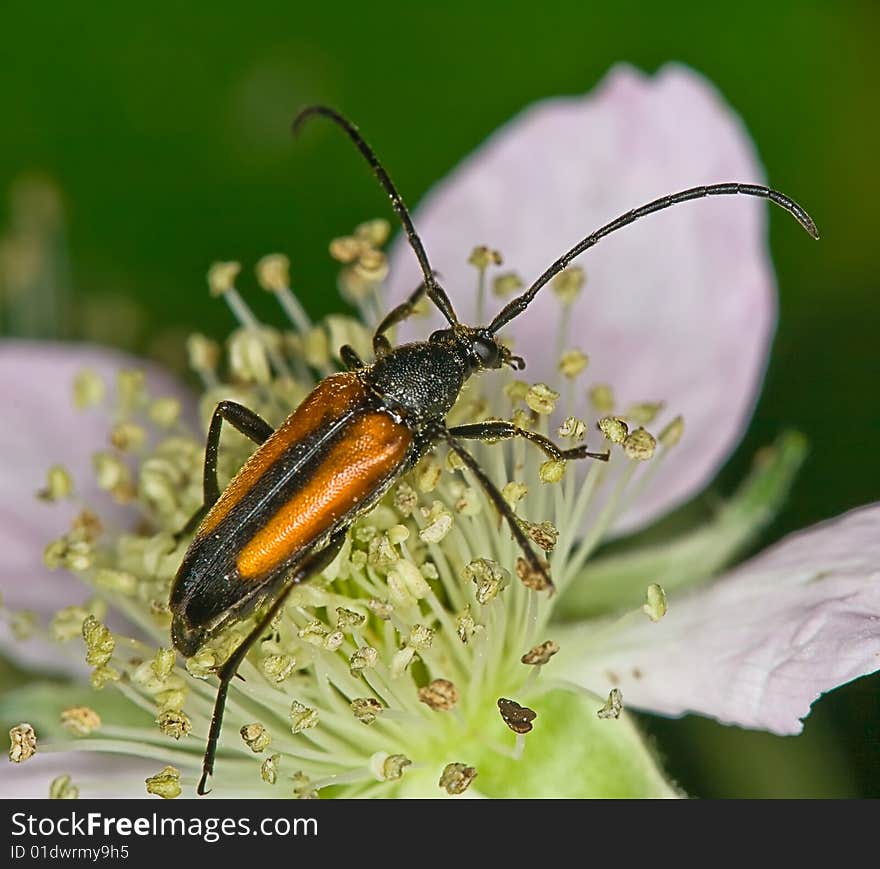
[{"x": 314, "y": 563}]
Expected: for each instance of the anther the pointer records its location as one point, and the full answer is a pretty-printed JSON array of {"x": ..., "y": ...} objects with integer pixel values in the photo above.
[
  {"x": 88, "y": 390},
  {"x": 273, "y": 272},
  {"x": 507, "y": 284},
  {"x": 572, "y": 428},
  {"x": 602, "y": 398},
  {"x": 256, "y": 737},
  {"x": 80, "y": 720},
  {"x": 165, "y": 784},
  {"x": 655, "y": 602},
  {"x": 174, "y": 723},
  {"x": 456, "y": 778},
  {"x": 221, "y": 277},
  {"x": 518, "y": 718},
  {"x": 302, "y": 717},
  {"x": 639, "y": 445},
  {"x": 489, "y": 577},
  {"x": 362, "y": 659},
  {"x": 269, "y": 769},
  {"x": 22, "y": 743},
  {"x": 539, "y": 655},
  {"x": 671, "y": 435},
  {"x": 532, "y": 578},
  {"x": 568, "y": 284},
  {"x": 644, "y": 412},
  {"x": 277, "y": 668},
  {"x": 573, "y": 362},
  {"x": 614, "y": 428},
  {"x": 366, "y": 709},
  {"x": 63, "y": 788},
  {"x": 439, "y": 694},
  {"x": 59, "y": 484},
  {"x": 613, "y": 705},
  {"x": 541, "y": 398},
  {"x": 482, "y": 257}
]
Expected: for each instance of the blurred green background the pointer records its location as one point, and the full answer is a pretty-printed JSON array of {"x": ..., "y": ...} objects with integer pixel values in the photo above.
[{"x": 166, "y": 134}]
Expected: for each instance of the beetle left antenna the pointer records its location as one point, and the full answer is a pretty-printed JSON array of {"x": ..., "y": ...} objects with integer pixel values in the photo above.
[
  {"x": 516, "y": 306},
  {"x": 435, "y": 292}
]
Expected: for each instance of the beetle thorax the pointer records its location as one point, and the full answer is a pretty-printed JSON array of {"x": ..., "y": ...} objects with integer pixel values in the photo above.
[{"x": 423, "y": 379}]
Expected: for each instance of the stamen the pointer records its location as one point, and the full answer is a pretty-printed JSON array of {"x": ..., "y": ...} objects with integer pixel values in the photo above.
[
  {"x": 22, "y": 743},
  {"x": 481, "y": 258},
  {"x": 613, "y": 705},
  {"x": 366, "y": 709},
  {"x": 88, "y": 390},
  {"x": 506, "y": 284},
  {"x": 602, "y": 398},
  {"x": 456, "y": 778},
  {"x": 256, "y": 737},
  {"x": 572, "y": 363},
  {"x": 269, "y": 769},
  {"x": 655, "y": 602},
  {"x": 174, "y": 724},
  {"x": 518, "y": 718},
  {"x": 302, "y": 717},
  {"x": 645, "y": 412},
  {"x": 80, "y": 720},
  {"x": 59, "y": 484},
  {"x": 639, "y": 445},
  {"x": 165, "y": 784},
  {"x": 614, "y": 428},
  {"x": 62, "y": 788},
  {"x": 541, "y": 654},
  {"x": 439, "y": 694},
  {"x": 542, "y": 399}
]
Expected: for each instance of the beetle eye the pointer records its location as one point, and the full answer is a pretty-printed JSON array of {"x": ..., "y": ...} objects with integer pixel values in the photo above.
[{"x": 487, "y": 352}]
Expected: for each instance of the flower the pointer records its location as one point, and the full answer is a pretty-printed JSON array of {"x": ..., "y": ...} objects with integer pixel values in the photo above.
[{"x": 426, "y": 660}]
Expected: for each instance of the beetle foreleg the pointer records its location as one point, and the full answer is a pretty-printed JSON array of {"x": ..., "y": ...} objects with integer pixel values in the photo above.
[
  {"x": 313, "y": 564},
  {"x": 501, "y": 430},
  {"x": 350, "y": 358},
  {"x": 381, "y": 344},
  {"x": 243, "y": 419},
  {"x": 501, "y": 506}
]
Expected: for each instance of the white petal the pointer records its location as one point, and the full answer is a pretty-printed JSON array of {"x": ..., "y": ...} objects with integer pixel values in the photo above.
[
  {"x": 41, "y": 427},
  {"x": 760, "y": 645},
  {"x": 678, "y": 307}
]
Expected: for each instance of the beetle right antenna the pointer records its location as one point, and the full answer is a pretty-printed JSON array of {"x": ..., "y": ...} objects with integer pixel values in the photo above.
[
  {"x": 435, "y": 292},
  {"x": 516, "y": 306}
]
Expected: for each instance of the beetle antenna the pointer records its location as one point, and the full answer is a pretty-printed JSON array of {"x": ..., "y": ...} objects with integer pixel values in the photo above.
[
  {"x": 516, "y": 306},
  {"x": 435, "y": 292}
]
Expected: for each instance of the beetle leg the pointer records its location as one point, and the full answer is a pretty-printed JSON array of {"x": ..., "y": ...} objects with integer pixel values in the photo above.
[
  {"x": 350, "y": 358},
  {"x": 314, "y": 563},
  {"x": 249, "y": 424},
  {"x": 501, "y": 430},
  {"x": 500, "y": 504},
  {"x": 381, "y": 344}
]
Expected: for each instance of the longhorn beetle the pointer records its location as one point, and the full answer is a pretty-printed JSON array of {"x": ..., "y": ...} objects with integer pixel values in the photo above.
[{"x": 284, "y": 516}]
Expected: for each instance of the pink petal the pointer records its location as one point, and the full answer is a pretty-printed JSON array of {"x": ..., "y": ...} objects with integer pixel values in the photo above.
[
  {"x": 41, "y": 427},
  {"x": 758, "y": 647},
  {"x": 679, "y": 307}
]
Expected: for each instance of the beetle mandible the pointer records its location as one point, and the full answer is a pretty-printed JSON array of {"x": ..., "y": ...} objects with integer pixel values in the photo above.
[{"x": 284, "y": 516}]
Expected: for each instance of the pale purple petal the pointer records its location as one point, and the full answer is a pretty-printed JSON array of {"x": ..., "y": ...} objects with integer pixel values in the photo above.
[
  {"x": 679, "y": 307},
  {"x": 759, "y": 646},
  {"x": 108, "y": 776},
  {"x": 41, "y": 427}
]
